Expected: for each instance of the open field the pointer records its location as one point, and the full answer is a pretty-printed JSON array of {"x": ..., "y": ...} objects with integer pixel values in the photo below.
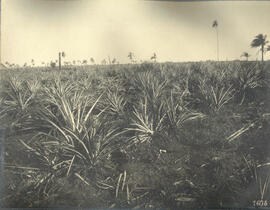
[{"x": 173, "y": 135}]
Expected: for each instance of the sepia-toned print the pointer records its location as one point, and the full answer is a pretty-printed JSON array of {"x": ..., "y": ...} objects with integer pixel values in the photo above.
[{"x": 135, "y": 104}]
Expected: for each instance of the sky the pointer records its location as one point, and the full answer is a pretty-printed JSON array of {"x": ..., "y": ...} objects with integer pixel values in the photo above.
[{"x": 175, "y": 31}]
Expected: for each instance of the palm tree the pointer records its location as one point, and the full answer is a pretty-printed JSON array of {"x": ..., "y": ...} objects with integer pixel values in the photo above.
[
  {"x": 61, "y": 54},
  {"x": 84, "y": 62},
  {"x": 114, "y": 61},
  {"x": 109, "y": 60},
  {"x": 104, "y": 62},
  {"x": 259, "y": 41},
  {"x": 215, "y": 25},
  {"x": 154, "y": 57},
  {"x": 246, "y": 55},
  {"x": 131, "y": 56},
  {"x": 33, "y": 62},
  {"x": 92, "y": 60},
  {"x": 53, "y": 64}
]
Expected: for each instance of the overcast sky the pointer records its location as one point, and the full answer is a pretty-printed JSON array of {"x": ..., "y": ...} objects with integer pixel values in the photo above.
[{"x": 175, "y": 31}]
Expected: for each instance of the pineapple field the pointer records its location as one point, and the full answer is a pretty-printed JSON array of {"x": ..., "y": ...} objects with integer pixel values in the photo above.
[{"x": 150, "y": 135}]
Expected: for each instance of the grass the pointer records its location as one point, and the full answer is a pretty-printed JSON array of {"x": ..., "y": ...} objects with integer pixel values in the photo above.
[{"x": 143, "y": 135}]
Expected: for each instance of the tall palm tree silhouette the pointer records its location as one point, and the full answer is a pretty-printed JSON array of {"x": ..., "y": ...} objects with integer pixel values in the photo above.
[
  {"x": 259, "y": 41},
  {"x": 215, "y": 25}
]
